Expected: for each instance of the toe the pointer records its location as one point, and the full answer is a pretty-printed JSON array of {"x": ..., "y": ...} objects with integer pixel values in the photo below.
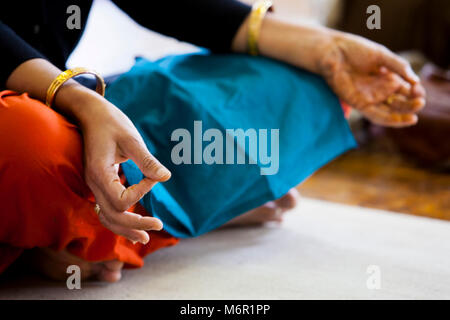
[
  {"x": 289, "y": 200},
  {"x": 111, "y": 271},
  {"x": 109, "y": 276},
  {"x": 271, "y": 211},
  {"x": 278, "y": 214}
]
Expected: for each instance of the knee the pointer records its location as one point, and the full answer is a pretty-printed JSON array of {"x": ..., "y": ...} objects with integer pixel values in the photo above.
[
  {"x": 41, "y": 174},
  {"x": 34, "y": 137}
]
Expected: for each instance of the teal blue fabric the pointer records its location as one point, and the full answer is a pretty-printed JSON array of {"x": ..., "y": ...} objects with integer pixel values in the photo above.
[{"x": 227, "y": 92}]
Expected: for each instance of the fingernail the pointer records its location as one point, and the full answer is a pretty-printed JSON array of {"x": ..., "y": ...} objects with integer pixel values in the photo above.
[
  {"x": 134, "y": 242},
  {"x": 413, "y": 75},
  {"x": 162, "y": 172}
]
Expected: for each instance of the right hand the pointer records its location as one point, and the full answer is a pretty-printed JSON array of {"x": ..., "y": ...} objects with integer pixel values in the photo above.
[
  {"x": 110, "y": 138},
  {"x": 372, "y": 79}
]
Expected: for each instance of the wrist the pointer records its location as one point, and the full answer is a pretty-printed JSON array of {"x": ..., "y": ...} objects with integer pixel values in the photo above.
[
  {"x": 332, "y": 53},
  {"x": 300, "y": 44},
  {"x": 326, "y": 48},
  {"x": 313, "y": 44},
  {"x": 75, "y": 100}
]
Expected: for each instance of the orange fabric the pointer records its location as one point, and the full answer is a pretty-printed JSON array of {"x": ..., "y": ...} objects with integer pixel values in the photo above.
[
  {"x": 346, "y": 109},
  {"x": 44, "y": 201}
]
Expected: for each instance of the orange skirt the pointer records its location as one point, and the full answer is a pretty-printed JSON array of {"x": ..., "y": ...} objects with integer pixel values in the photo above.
[{"x": 44, "y": 201}]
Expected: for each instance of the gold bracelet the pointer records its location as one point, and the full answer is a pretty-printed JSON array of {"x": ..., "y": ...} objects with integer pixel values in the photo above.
[
  {"x": 259, "y": 10},
  {"x": 68, "y": 74}
]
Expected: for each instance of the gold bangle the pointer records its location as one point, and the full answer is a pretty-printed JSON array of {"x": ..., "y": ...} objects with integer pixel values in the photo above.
[
  {"x": 259, "y": 10},
  {"x": 68, "y": 74}
]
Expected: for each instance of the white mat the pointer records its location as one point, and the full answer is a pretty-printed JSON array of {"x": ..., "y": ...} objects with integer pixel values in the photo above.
[{"x": 322, "y": 250}]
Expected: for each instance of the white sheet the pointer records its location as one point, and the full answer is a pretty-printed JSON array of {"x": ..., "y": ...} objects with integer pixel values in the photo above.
[{"x": 322, "y": 251}]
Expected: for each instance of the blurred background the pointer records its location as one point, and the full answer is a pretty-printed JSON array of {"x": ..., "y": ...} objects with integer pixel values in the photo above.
[{"x": 401, "y": 170}]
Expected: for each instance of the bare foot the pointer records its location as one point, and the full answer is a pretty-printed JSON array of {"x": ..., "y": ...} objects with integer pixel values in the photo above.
[
  {"x": 54, "y": 265},
  {"x": 271, "y": 211}
]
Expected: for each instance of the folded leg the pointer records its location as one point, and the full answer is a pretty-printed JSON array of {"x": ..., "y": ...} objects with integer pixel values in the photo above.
[{"x": 44, "y": 201}]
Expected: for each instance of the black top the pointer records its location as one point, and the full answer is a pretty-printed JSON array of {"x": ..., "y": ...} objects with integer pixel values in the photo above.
[{"x": 38, "y": 28}]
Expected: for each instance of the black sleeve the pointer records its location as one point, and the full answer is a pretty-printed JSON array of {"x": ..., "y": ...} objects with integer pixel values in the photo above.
[
  {"x": 207, "y": 23},
  {"x": 14, "y": 52}
]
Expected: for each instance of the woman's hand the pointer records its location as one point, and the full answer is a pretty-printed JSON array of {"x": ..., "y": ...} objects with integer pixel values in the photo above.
[
  {"x": 110, "y": 138},
  {"x": 363, "y": 74},
  {"x": 372, "y": 79}
]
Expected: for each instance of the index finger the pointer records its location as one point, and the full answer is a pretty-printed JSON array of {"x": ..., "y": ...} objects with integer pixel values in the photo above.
[
  {"x": 399, "y": 65},
  {"x": 146, "y": 162},
  {"x": 120, "y": 197}
]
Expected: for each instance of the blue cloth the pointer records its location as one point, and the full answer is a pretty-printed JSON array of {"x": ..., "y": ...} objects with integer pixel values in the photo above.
[{"x": 227, "y": 92}]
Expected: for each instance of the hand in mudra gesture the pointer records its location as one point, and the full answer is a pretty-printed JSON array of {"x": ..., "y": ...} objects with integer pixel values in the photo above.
[
  {"x": 373, "y": 80},
  {"x": 110, "y": 138}
]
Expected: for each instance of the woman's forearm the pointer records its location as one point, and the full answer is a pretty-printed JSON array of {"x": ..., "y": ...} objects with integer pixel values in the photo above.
[
  {"x": 35, "y": 76},
  {"x": 284, "y": 41},
  {"x": 364, "y": 74}
]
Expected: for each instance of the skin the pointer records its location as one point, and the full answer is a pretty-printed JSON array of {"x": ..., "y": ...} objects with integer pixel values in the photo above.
[
  {"x": 110, "y": 138},
  {"x": 53, "y": 264},
  {"x": 364, "y": 74}
]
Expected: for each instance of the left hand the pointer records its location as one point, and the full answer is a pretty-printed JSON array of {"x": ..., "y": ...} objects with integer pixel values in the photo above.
[{"x": 373, "y": 80}]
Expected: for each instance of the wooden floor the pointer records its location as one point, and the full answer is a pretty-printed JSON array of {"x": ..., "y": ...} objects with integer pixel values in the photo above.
[{"x": 377, "y": 176}]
